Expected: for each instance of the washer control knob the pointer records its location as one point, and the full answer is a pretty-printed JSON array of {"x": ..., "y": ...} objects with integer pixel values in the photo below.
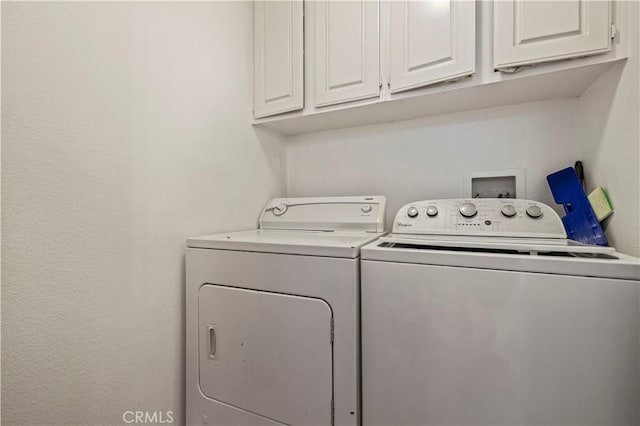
[
  {"x": 412, "y": 212},
  {"x": 508, "y": 210},
  {"x": 468, "y": 210},
  {"x": 534, "y": 212},
  {"x": 280, "y": 209},
  {"x": 365, "y": 209},
  {"x": 432, "y": 211}
]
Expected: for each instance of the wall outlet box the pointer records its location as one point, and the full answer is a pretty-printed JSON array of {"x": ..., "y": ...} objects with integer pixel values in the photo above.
[{"x": 507, "y": 183}]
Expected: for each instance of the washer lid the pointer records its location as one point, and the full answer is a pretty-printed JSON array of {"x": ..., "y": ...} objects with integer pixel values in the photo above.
[
  {"x": 542, "y": 246},
  {"x": 310, "y": 243},
  {"x": 551, "y": 256}
]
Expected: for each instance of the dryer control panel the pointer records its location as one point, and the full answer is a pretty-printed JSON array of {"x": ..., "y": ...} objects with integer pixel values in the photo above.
[
  {"x": 479, "y": 216},
  {"x": 359, "y": 213}
]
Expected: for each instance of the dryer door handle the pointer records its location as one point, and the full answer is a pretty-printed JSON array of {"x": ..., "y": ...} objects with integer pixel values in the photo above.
[{"x": 213, "y": 343}]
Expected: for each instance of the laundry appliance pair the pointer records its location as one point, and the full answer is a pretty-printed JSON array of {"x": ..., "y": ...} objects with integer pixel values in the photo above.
[{"x": 471, "y": 312}]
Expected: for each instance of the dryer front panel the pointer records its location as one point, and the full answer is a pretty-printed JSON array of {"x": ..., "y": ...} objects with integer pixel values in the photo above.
[{"x": 266, "y": 353}]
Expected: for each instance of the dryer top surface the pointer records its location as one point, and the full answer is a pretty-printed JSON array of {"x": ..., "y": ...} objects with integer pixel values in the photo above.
[{"x": 311, "y": 243}]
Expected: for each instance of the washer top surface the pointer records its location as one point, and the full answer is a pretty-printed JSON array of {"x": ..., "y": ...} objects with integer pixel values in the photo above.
[
  {"x": 504, "y": 234},
  {"x": 325, "y": 226}
]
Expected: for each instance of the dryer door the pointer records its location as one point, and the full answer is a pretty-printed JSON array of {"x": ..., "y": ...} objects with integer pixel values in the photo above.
[{"x": 266, "y": 353}]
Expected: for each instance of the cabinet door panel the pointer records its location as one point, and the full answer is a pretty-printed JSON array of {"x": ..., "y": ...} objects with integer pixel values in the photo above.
[
  {"x": 527, "y": 32},
  {"x": 278, "y": 55},
  {"x": 430, "y": 41},
  {"x": 346, "y": 47}
]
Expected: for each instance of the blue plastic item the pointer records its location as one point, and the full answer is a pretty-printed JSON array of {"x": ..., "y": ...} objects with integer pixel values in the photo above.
[{"x": 580, "y": 221}]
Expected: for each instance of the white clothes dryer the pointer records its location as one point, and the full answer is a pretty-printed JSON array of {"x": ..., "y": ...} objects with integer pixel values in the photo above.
[
  {"x": 273, "y": 315},
  {"x": 481, "y": 312}
]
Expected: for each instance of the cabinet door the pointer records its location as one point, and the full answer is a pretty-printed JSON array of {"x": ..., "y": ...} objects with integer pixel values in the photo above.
[
  {"x": 527, "y": 32},
  {"x": 346, "y": 51},
  {"x": 430, "y": 41},
  {"x": 278, "y": 56}
]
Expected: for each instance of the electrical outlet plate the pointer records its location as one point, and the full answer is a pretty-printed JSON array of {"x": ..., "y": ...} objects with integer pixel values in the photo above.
[{"x": 506, "y": 183}]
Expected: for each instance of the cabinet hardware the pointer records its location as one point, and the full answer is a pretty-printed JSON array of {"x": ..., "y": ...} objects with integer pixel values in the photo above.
[{"x": 509, "y": 70}]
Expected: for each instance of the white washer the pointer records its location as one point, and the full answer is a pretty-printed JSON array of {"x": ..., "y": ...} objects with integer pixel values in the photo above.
[
  {"x": 481, "y": 312},
  {"x": 272, "y": 315}
]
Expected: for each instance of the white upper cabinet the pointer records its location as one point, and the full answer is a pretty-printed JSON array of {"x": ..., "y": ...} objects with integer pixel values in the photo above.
[
  {"x": 527, "y": 31},
  {"x": 373, "y": 61},
  {"x": 430, "y": 41},
  {"x": 345, "y": 50},
  {"x": 278, "y": 57}
]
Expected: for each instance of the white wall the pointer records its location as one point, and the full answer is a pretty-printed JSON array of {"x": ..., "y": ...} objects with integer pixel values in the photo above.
[
  {"x": 426, "y": 158},
  {"x": 610, "y": 134},
  {"x": 125, "y": 128}
]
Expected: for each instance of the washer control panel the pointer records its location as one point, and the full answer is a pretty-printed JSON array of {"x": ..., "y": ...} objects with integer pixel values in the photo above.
[{"x": 479, "y": 216}]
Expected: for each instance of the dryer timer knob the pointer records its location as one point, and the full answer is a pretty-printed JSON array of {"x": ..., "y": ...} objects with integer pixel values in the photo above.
[
  {"x": 432, "y": 211},
  {"x": 280, "y": 209}
]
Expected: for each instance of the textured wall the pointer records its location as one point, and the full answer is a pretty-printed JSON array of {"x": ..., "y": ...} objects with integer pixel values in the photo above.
[
  {"x": 426, "y": 158},
  {"x": 610, "y": 133},
  {"x": 125, "y": 128}
]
